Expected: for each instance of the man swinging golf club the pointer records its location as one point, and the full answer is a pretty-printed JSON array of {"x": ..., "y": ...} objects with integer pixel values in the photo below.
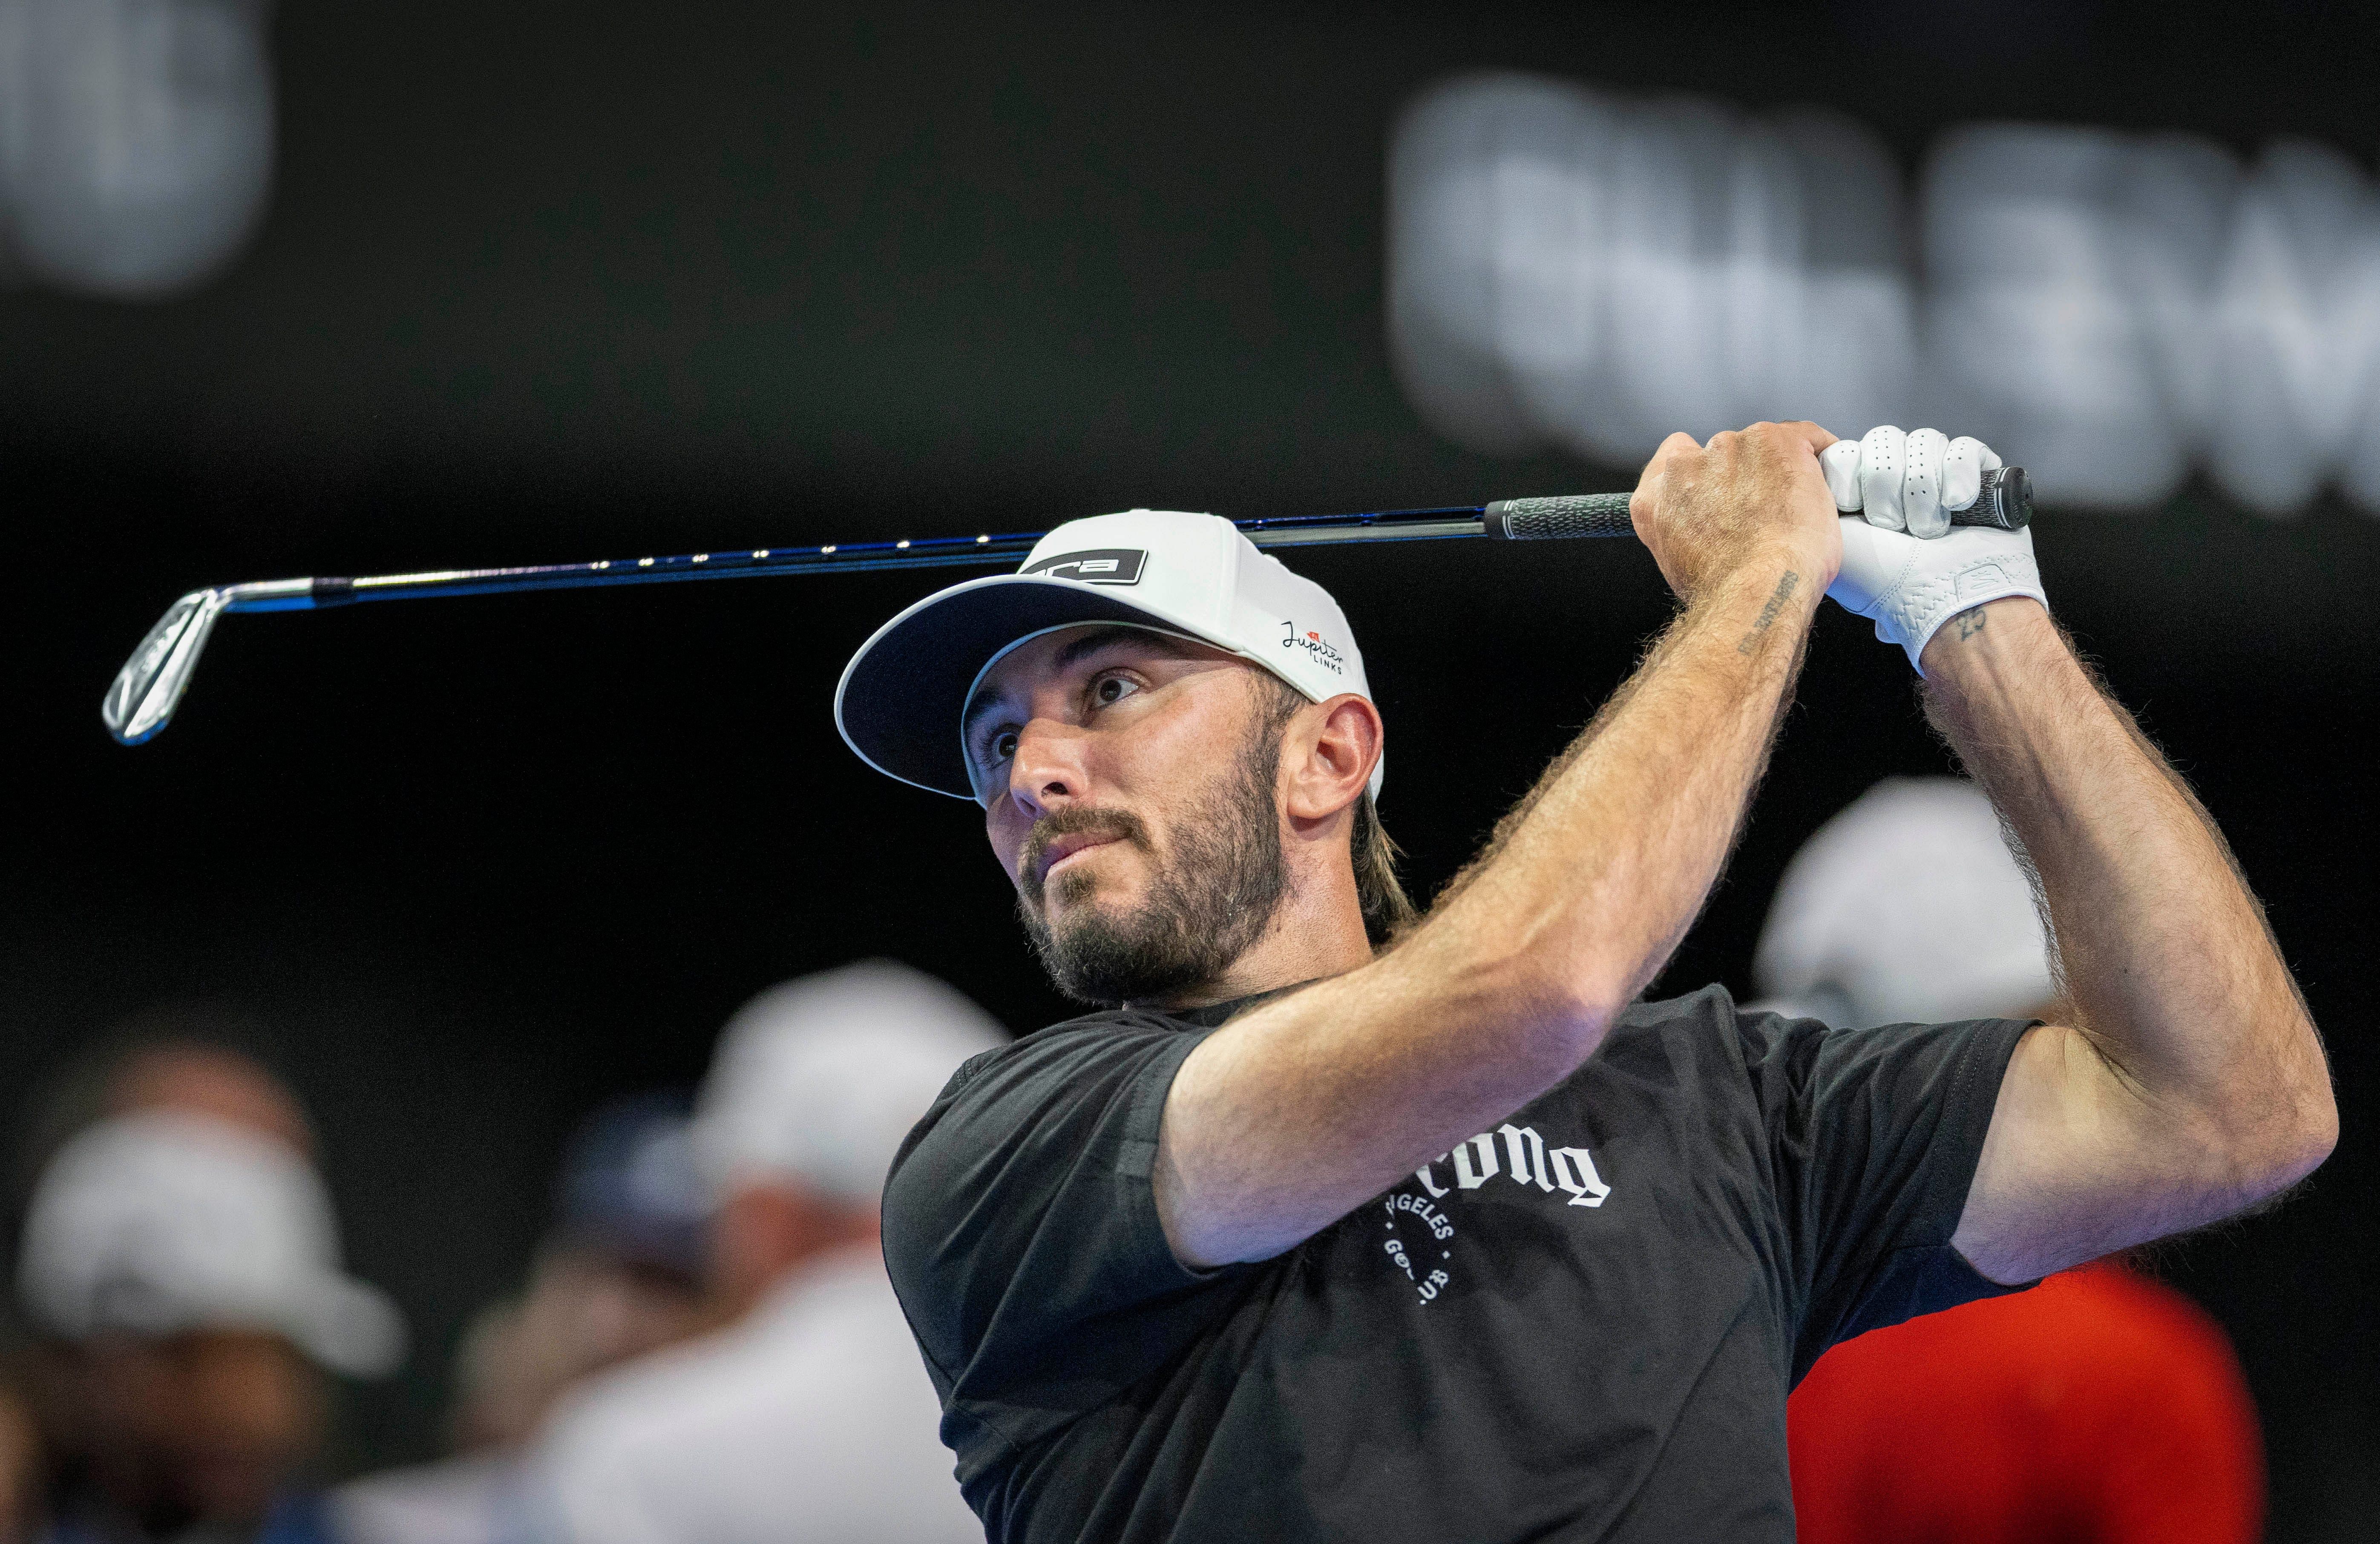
[{"x": 1338, "y": 1226}]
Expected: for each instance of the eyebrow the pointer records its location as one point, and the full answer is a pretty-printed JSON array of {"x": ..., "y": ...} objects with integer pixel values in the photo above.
[{"x": 1075, "y": 650}]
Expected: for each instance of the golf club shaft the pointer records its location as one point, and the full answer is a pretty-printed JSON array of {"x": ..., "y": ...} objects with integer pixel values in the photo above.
[
  {"x": 852, "y": 557},
  {"x": 143, "y": 696},
  {"x": 2005, "y": 503}
]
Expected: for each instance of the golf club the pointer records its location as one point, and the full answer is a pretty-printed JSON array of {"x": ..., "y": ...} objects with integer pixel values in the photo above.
[{"x": 141, "y": 699}]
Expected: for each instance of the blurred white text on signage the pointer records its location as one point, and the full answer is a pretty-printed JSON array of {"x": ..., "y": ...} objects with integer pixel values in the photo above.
[{"x": 1580, "y": 269}]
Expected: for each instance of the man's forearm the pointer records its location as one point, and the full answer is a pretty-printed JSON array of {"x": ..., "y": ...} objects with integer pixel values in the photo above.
[
  {"x": 1610, "y": 859},
  {"x": 2167, "y": 967}
]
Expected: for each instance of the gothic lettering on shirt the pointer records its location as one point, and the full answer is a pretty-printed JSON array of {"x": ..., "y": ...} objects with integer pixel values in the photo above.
[{"x": 1517, "y": 1154}]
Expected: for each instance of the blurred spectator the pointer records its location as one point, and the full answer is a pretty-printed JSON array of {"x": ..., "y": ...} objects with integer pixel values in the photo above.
[
  {"x": 1906, "y": 907},
  {"x": 619, "y": 1276},
  {"x": 179, "y": 1057},
  {"x": 180, "y": 1272},
  {"x": 2100, "y": 1407},
  {"x": 809, "y": 1419}
]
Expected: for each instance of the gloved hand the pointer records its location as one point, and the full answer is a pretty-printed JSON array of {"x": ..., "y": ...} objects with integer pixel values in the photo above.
[{"x": 1905, "y": 567}]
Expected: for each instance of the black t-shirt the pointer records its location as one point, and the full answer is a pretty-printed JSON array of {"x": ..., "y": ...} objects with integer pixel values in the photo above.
[{"x": 1581, "y": 1324}]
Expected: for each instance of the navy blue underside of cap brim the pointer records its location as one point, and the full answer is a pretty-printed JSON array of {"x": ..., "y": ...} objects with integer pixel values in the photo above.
[{"x": 902, "y": 705}]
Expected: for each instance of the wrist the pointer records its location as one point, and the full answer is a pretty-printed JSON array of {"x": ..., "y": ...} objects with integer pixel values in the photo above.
[
  {"x": 1816, "y": 555},
  {"x": 1976, "y": 646},
  {"x": 1916, "y": 589},
  {"x": 1760, "y": 601},
  {"x": 1755, "y": 568}
]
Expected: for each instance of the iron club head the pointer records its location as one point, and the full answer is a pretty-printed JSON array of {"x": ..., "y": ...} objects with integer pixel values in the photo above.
[{"x": 151, "y": 682}]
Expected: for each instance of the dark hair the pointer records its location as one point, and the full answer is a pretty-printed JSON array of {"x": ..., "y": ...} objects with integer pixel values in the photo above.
[{"x": 1388, "y": 911}]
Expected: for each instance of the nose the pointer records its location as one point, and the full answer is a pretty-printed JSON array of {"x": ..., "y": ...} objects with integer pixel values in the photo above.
[{"x": 1047, "y": 770}]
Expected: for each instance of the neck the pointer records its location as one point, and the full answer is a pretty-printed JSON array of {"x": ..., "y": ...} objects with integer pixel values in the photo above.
[{"x": 1316, "y": 930}]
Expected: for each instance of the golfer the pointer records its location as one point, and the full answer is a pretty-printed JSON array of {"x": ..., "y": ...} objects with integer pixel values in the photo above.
[{"x": 1331, "y": 1223}]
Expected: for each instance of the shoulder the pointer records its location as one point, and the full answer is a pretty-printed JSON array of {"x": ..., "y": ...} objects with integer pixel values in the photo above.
[
  {"x": 1020, "y": 1124},
  {"x": 1711, "y": 1023},
  {"x": 1710, "y": 1008},
  {"x": 1787, "y": 1069},
  {"x": 1089, "y": 1037},
  {"x": 1052, "y": 1069},
  {"x": 1708, "y": 1030}
]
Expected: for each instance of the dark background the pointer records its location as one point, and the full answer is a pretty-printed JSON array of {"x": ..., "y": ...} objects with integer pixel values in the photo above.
[{"x": 546, "y": 281}]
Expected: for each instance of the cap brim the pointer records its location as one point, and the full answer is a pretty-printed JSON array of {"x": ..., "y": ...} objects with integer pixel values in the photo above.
[{"x": 901, "y": 699}]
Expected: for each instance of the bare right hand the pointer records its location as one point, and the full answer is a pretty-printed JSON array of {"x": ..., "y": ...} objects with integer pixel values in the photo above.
[{"x": 1751, "y": 496}]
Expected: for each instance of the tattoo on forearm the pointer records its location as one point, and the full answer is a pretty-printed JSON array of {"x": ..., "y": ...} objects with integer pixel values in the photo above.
[
  {"x": 1784, "y": 593},
  {"x": 1969, "y": 624}
]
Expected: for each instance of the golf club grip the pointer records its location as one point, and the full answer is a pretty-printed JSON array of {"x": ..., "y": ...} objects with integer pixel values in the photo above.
[
  {"x": 2005, "y": 503},
  {"x": 1556, "y": 518}
]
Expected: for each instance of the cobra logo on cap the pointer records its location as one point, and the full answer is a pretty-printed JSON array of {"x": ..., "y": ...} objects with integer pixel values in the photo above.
[{"x": 1098, "y": 565}]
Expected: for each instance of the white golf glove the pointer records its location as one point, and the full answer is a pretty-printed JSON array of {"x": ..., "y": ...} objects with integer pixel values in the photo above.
[{"x": 1905, "y": 567}]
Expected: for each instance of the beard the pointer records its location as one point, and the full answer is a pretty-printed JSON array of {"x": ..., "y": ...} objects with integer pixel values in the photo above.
[{"x": 1209, "y": 901}]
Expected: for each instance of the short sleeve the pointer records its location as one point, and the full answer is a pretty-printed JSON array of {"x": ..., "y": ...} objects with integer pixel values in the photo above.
[
  {"x": 1873, "y": 1137},
  {"x": 1021, "y": 1232}
]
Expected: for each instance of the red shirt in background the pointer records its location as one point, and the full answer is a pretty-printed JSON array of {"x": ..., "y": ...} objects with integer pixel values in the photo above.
[{"x": 2100, "y": 1406}]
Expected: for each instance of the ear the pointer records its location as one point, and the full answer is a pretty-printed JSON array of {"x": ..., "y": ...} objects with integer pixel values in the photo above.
[{"x": 1328, "y": 755}]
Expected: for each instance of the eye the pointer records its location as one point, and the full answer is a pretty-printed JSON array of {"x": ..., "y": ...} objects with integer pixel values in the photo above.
[
  {"x": 994, "y": 746},
  {"x": 1109, "y": 690}
]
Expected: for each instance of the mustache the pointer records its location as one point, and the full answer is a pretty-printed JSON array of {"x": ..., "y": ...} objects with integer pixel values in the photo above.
[{"x": 1115, "y": 825}]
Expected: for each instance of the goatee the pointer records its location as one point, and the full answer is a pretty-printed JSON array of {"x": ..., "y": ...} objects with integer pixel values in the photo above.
[{"x": 1209, "y": 900}]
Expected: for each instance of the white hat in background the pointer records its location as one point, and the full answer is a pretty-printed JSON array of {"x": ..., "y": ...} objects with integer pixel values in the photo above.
[
  {"x": 902, "y": 697},
  {"x": 1907, "y": 907},
  {"x": 164, "y": 1222},
  {"x": 818, "y": 1080}
]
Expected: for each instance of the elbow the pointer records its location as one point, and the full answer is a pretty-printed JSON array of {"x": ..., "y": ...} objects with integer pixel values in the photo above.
[
  {"x": 1571, "y": 1011},
  {"x": 2315, "y": 1134},
  {"x": 2266, "y": 1175},
  {"x": 1538, "y": 1000},
  {"x": 2288, "y": 1133},
  {"x": 2289, "y": 1154},
  {"x": 1549, "y": 1015},
  {"x": 2312, "y": 1130},
  {"x": 1551, "y": 978}
]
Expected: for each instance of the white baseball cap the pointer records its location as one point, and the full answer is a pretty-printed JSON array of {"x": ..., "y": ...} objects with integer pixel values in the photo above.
[
  {"x": 1906, "y": 907},
  {"x": 161, "y": 1221},
  {"x": 818, "y": 1080},
  {"x": 904, "y": 695}
]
